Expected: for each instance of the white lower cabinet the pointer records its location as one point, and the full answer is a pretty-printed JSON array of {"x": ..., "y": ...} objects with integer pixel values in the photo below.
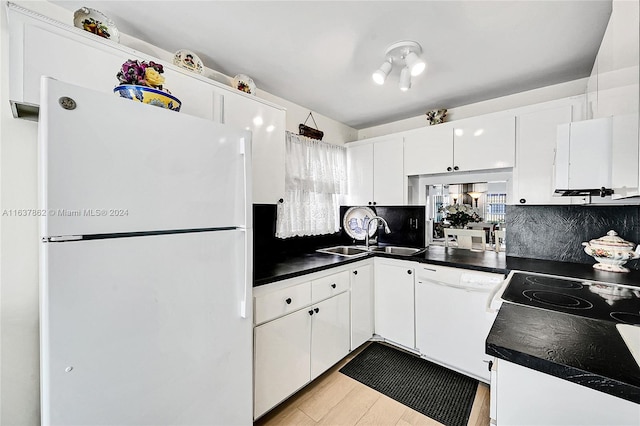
[
  {"x": 394, "y": 301},
  {"x": 296, "y": 347},
  {"x": 329, "y": 333},
  {"x": 282, "y": 359},
  {"x": 361, "y": 305},
  {"x": 527, "y": 397}
]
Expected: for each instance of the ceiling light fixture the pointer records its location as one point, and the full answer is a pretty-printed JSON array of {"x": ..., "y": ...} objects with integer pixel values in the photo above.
[{"x": 406, "y": 52}]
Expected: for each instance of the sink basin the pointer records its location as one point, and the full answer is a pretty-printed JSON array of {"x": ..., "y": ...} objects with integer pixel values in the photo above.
[
  {"x": 347, "y": 251},
  {"x": 350, "y": 251},
  {"x": 401, "y": 251}
]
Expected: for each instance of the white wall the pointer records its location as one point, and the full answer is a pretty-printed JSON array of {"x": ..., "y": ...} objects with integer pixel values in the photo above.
[
  {"x": 19, "y": 306},
  {"x": 544, "y": 94},
  {"x": 334, "y": 131}
]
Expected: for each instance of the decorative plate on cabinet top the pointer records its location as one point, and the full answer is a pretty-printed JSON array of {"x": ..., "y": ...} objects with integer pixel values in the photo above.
[
  {"x": 95, "y": 22},
  {"x": 244, "y": 83},
  {"x": 356, "y": 220},
  {"x": 188, "y": 60}
]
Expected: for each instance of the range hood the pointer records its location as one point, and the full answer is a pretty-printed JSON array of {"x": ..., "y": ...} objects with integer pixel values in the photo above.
[{"x": 583, "y": 158}]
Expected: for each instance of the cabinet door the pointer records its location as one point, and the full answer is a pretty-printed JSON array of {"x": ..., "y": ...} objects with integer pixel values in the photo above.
[
  {"x": 329, "y": 333},
  {"x": 388, "y": 173},
  {"x": 360, "y": 171},
  {"x": 267, "y": 125},
  {"x": 282, "y": 359},
  {"x": 533, "y": 174},
  {"x": 482, "y": 144},
  {"x": 361, "y": 305},
  {"x": 394, "y": 303},
  {"x": 428, "y": 150}
]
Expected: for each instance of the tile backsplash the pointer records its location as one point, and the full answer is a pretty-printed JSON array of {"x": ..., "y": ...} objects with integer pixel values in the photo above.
[{"x": 557, "y": 232}]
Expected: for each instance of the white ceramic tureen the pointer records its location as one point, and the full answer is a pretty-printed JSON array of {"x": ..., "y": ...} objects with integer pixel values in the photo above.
[{"x": 611, "y": 252}]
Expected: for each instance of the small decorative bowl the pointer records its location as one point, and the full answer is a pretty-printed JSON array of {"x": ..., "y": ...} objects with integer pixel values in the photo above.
[
  {"x": 148, "y": 95},
  {"x": 611, "y": 252}
]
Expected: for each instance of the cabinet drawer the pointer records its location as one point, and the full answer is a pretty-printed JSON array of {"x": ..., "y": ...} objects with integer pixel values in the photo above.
[
  {"x": 330, "y": 285},
  {"x": 281, "y": 302}
]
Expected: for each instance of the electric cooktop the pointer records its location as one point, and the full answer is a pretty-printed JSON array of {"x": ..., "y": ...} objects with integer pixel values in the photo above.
[{"x": 611, "y": 302}]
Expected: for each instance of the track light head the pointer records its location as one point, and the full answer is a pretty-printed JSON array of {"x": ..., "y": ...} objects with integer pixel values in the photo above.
[
  {"x": 415, "y": 64},
  {"x": 405, "y": 79},
  {"x": 380, "y": 75}
]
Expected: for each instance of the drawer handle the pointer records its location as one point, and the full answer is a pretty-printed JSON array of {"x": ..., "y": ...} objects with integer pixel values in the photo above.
[
  {"x": 288, "y": 300},
  {"x": 430, "y": 270},
  {"x": 355, "y": 272},
  {"x": 311, "y": 312},
  {"x": 316, "y": 310},
  {"x": 333, "y": 285}
]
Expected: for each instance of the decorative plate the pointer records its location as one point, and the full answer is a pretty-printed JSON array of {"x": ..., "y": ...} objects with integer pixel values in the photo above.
[
  {"x": 244, "y": 83},
  {"x": 356, "y": 220},
  {"x": 95, "y": 22},
  {"x": 188, "y": 60}
]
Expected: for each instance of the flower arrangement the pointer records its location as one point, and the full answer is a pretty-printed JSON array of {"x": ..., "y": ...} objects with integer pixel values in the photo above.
[
  {"x": 458, "y": 215},
  {"x": 141, "y": 73}
]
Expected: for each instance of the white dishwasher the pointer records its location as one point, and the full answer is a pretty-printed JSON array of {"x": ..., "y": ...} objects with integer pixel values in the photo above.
[{"x": 453, "y": 317}]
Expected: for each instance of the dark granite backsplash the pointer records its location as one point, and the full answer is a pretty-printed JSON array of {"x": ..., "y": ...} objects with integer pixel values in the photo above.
[
  {"x": 557, "y": 232},
  {"x": 268, "y": 248}
]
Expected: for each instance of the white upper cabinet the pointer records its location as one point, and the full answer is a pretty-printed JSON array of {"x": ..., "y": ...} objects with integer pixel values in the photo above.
[
  {"x": 267, "y": 124},
  {"x": 479, "y": 143},
  {"x": 376, "y": 174},
  {"x": 360, "y": 171},
  {"x": 533, "y": 174},
  {"x": 613, "y": 90},
  {"x": 428, "y": 150},
  {"x": 41, "y": 46},
  {"x": 484, "y": 143}
]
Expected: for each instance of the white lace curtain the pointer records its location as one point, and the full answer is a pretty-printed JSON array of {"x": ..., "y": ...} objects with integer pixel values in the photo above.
[{"x": 315, "y": 176}]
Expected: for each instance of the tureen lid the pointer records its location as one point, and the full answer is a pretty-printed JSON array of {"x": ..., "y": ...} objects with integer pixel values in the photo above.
[{"x": 612, "y": 240}]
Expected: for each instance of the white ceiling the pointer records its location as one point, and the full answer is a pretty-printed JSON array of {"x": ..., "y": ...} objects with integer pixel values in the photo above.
[{"x": 320, "y": 54}]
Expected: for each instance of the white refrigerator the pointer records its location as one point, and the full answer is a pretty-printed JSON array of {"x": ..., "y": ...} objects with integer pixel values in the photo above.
[{"x": 145, "y": 267}]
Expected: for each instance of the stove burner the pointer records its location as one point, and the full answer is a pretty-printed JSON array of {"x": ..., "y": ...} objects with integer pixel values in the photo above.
[
  {"x": 557, "y": 299},
  {"x": 553, "y": 282},
  {"x": 626, "y": 317}
]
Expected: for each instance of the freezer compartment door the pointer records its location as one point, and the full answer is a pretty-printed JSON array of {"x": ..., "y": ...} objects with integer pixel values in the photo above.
[
  {"x": 110, "y": 165},
  {"x": 146, "y": 330}
]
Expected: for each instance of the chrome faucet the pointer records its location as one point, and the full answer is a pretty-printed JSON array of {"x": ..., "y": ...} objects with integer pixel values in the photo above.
[{"x": 376, "y": 218}]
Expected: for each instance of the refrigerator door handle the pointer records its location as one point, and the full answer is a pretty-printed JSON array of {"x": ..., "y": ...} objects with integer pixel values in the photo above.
[
  {"x": 245, "y": 151},
  {"x": 247, "y": 281}
]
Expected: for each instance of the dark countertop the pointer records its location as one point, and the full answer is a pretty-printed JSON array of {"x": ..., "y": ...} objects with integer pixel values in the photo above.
[
  {"x": 581, "y": 350},
  {"x": 266, "y": 271}
]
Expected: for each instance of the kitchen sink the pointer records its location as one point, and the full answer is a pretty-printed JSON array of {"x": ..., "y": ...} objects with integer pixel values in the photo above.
[
  {"x": 350, "y": 251},
  {"x": 401, "y": 251},
  {"x": 347, "y": 251}
]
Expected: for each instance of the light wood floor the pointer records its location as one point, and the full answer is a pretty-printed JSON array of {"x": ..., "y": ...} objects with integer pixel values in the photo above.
[{"x": 338, "y": 400}]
